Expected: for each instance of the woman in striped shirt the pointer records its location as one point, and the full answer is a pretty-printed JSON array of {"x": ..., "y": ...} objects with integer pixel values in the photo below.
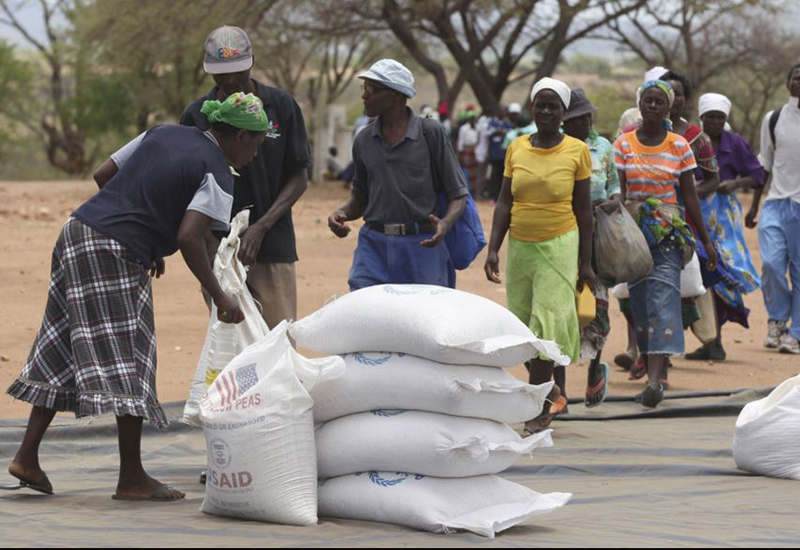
[{"x": 655, "y": 171}]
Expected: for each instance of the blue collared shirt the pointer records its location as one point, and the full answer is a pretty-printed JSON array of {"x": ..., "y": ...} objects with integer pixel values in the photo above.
[{"x": 396, "y": 183}]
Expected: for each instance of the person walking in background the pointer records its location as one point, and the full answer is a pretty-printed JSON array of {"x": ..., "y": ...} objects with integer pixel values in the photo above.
[
  {"x": 739, "y": 169},
  {"x": 95, "y": 352},
  {"x": 703, "y": 150},
  {"x": 484, "y": 127},
  {"x": 604, "y": 193},
  {"x": 655, "y": 167},
  {"x": 779, "y": 226},
  {"x": 271, "y": 184},
  {"x": 706, "y": 160},
  {"x": 394, "y": 188},
  {"x": 545, "y": 205},
  {"x": 468, "y": 139},
  {"x": 499, "y": 127}
]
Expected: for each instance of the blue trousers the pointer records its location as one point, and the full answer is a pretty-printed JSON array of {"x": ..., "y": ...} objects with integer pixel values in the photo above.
[
  {"x": 779, "y": 244},
  {"x": 388, "y": 259}
]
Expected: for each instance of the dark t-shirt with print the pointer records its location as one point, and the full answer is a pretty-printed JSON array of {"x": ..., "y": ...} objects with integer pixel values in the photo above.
[{"x": 285, "y": 152}]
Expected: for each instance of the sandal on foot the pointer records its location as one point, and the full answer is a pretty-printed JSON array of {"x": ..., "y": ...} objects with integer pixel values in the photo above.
[
  {"x": 543, "y": 421},
  {"x": 537, "y": 425},
  {"x": 600, "y": 388},
  {"x": 44, "y": 486},
  {"x": 625, "y": 360},
  {"x": 638, "y": 370},
  {"x": 159, "y": 495},
  {"x": 652, "y": 395}
]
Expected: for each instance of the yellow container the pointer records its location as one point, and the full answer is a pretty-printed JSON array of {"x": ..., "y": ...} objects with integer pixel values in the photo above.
[{"x": 587, "y": 306}]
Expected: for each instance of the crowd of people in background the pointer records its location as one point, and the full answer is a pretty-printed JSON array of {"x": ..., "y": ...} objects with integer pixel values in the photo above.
[{"x": 691, "y": 170}]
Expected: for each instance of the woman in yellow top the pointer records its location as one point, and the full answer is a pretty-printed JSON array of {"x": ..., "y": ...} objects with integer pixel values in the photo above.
[{"x": 545, "y": 204}]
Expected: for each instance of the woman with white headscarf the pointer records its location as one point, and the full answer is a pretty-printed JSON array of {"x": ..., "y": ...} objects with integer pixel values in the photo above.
[
  {"x": 546, "y": 206},
  {"x": 739, "y": 169}
]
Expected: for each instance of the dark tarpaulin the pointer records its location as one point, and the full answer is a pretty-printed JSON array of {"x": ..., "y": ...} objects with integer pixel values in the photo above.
[{"x": 638, "y": 478}]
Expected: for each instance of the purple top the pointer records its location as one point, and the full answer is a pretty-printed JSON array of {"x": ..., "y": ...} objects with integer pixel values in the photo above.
[{"x": 736, "y": 159}]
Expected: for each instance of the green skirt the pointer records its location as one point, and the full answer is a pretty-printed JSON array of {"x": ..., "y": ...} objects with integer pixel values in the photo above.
[{"x": 540, "y": 289}]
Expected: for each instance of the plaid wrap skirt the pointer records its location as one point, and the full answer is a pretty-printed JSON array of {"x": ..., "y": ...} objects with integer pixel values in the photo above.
[{"x": 95, "y": 352}]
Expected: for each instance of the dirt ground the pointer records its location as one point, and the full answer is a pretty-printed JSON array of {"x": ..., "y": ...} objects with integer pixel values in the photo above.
[{"x": 31, "y": 215}]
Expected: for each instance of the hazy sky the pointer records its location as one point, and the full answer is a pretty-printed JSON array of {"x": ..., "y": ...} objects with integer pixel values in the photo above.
[{"x": 30, "y": 17}]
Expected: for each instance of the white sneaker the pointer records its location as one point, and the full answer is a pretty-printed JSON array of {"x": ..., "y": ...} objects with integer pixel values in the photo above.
[
  {"x": 789, "y": 344},
  {"x": 775, "y": 329}
]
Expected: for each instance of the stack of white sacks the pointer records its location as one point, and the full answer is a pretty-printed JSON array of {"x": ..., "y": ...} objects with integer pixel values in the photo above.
[{"x": 415, "y": 434}]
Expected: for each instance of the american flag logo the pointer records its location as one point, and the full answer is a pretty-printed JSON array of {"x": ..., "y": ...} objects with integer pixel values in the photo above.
[{"x": 231, "y": 385}]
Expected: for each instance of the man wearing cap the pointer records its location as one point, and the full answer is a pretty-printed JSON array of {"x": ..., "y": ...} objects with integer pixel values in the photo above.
[
  {"x": 270, "y": 184},
  {"x": 402, "y": 163},
  {"x": 604, "y": 193}
]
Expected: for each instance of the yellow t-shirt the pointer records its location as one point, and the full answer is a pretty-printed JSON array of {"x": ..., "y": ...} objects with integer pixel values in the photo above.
[{"x": 542, "y": 183}]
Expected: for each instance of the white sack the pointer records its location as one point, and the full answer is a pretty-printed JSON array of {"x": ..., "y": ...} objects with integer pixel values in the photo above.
[
  {"x": 426, "y": 443},
  {"x": 767, "y": 440},
  {"x": 484, "y": 505},
  {"x": 405, "y": 382},
  {"x": 441, "y": 324},
  {"x": 259, "y": 429},
  {"x": 225, "y": 341},
  {"x": 691, "y": 282}
]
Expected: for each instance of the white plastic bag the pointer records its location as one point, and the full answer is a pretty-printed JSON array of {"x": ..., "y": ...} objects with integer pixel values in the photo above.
[
  {"x": 225, "y": 341},
  {"x": 426, "y": 443},
  {"x": 440, "y": 324},
  {"x": 767, "y": 440},
  {"x": 484, "y": 505},
  {"x": 691, "y": 282},
  {"x": 259, "y": 429},
  {"x": 620, "y": 248},
  {"x": 692, "y": 279},
  {"x": 398, "y": 381}
]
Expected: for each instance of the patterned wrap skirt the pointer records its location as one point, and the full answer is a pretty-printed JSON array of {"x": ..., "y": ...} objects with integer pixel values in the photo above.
[{"x": 95, "y": 352}]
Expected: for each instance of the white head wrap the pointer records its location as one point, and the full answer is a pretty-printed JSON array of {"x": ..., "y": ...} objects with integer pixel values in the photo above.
[
  {"x": 714, "y": 102},
  {"x": 655, "y": 73},
  {"x": 557, "y": 86}
]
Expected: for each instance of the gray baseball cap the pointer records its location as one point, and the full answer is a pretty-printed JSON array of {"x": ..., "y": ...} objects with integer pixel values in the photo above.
[
  {"x": 391, "y": 74},
  {"x": 228, "y": 50}
]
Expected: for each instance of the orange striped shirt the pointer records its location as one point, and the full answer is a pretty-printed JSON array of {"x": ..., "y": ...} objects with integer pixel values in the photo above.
[{"x": 653, "y": 171}]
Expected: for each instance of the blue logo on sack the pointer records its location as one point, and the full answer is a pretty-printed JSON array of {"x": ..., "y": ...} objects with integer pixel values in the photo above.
[
  {"x": 369, "y": 361},
  {"x": 380, "y": 481}
]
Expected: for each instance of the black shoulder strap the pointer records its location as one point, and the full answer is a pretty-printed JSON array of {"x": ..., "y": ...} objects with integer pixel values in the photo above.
[
  {"x": 426, "y": 126},
  {"x": 773, "y": 123}
]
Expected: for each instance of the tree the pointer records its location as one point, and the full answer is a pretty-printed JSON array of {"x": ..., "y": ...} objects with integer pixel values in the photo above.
[
  {"x": 15, "y": 83},
  {"x": 493, "y": 44},
  {"x": 157, "y": 47},
  {"x": 64, "y": 141},
  {"x": 759, "y": 85},
  {"x": 703, "y": 38},
  {"x": 734, "y": 46}
]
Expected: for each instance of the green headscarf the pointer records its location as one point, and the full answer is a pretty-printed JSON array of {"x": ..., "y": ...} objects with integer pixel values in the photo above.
[{"x": 240, "y": 110}]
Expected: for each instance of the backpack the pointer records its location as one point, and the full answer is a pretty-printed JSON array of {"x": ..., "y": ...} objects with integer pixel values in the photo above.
[
  {"x": 773, "y": 123},
  {"x": 466, "y": 239}
]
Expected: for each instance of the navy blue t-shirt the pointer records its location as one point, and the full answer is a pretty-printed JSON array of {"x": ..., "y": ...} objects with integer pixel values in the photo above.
[{"x": 162, "y": 173}]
